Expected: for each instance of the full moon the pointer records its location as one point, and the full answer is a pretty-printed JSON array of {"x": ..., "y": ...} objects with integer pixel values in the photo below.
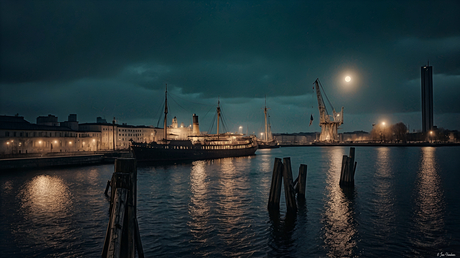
[{"x": 348, "y": 79}]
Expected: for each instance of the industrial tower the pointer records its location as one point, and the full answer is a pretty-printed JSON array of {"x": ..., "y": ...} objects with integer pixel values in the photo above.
[
  {"x": 328, "y": 126},
  {"x": 427, "y": 98}
]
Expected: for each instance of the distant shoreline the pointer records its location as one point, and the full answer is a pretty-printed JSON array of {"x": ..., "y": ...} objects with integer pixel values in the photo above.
[{"x": 423, "y": 144}]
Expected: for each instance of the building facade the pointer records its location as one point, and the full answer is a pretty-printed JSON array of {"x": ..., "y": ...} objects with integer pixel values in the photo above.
[
  {"x": 18, "y": 136},
  {"x": 427, "y": 98}
]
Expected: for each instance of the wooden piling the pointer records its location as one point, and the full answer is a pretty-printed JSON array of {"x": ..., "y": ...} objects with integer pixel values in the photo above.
[
  {"x": 122, "y": 236},
  {"x": 302, "y": 181},
  {"x": 344, "y": 165},
  {"x": 275, "y": 189},
  {"x": 289, "y": 192},
  {"x": 347, "y": 173},
  {"x": 351, "y": 163},
  {"x": 116, "y": 227}
]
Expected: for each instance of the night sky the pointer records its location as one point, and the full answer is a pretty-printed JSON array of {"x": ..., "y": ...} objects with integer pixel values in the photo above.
[{"x": 113, "y": 59}]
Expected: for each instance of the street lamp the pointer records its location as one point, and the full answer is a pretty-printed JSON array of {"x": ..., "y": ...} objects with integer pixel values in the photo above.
[{"x": 431, "y": 136}]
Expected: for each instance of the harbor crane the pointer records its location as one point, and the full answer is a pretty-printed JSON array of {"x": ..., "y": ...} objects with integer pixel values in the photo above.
[{"x": 329, "y": 123}]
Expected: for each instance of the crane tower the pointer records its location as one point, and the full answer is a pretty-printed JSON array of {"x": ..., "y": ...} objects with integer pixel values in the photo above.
[{"x": 329, "y": 124}]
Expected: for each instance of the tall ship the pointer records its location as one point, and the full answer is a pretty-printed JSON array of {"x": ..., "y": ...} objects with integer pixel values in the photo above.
[
  {"x": 197, "y": 147},
  {"x": 267, "y": 141}
]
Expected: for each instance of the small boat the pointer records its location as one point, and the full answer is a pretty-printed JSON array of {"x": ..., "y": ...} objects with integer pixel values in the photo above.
[
  {"x": 197, "y": 147},
  {"x": 267, "y": 142}
]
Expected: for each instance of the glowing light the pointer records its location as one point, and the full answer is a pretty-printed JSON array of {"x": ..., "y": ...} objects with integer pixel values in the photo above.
[
  {"x": 347, "y": 78},
  {"x": 94, "y": 140},
  {"x": 40, "y": 142},
  {"x": 431, "y": 132},
  {"x": 70, "y": 142},
  {"x": 383, "y": 123},
  {"x": 55, "y": 141},
  {"x": 8, "y": 143}
]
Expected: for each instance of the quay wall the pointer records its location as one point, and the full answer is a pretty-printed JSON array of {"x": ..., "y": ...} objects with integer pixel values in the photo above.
[{"x": 27, "y": 163}]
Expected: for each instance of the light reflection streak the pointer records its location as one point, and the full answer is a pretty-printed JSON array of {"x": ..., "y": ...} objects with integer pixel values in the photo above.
[
  {"x": 45, "y": 201},
  {"x": 384, "y": 204},
  {"x": 199, "y": 209},
  {"x": 339, "y": 227},
  {"x": 429, "y": 211},
  {"x": 231, "y": 204},
  {"x": 45, "y": 194}
]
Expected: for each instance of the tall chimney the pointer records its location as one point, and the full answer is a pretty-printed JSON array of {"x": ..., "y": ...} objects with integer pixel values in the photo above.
[{"x": 196, "y": 125}]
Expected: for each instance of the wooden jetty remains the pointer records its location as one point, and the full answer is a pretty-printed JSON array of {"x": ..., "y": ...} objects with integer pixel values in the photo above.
[
  {"x": 347, "y": 173},
  {"x": 122, "y": 238},
  {"x": 282, "y": 171}
]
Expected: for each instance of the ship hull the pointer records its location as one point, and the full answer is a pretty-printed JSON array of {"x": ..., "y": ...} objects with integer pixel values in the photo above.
[{"x": 163, "y": 153}]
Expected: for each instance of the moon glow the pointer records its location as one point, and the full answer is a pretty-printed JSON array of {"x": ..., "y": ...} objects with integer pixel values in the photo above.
[{"x": 348, "y": 79}]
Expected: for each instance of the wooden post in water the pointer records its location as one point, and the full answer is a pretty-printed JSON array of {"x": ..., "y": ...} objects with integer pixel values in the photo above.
[
  {"x": 116, "y": 225},
  {"x": 347, "y": 174},
  {"x": 122, "y": 236},
  {"x": 289, "y": 191},
  {"x": 275, "y": 189},
  {"x": 302, "y": 181}
]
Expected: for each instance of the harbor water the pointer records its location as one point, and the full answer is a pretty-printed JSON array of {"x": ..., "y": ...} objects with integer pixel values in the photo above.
[{"x": 405, "y": 202}]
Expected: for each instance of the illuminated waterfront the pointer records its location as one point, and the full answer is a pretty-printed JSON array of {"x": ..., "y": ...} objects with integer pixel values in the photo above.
[{"x": 404, "y": 203}]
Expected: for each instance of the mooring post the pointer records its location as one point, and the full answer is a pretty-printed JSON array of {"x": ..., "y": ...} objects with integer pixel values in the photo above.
[
  {"x": 129, "y": 167},
  {"x": 289, "y": 192},
  {"x": 302, "y": 181},
  {"x": 347, "y": 174},
  {"x": 351, "y": 164},
  {"x": 122, "y": 236},
  {"x": 275, "y": 189},
  {"x": 343, "y": 168},
  {"x": 116, "y": 226}
]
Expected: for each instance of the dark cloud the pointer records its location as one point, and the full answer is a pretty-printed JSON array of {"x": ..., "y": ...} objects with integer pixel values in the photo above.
[{"x": 100, "y": 54}]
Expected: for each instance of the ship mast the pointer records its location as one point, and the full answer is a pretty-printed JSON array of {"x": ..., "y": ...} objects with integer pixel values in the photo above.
[
  {"x": 266, "y": 125},
  {"x": 165, "y": 131},
  {"x": 218, "y": 116}
]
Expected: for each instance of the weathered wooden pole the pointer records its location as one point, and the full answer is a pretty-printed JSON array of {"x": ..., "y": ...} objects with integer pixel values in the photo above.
[
  {"x": 344, "y": 166},
  {"x": 275, "y": 189},
  {"x": 129, "y": 166},
  {"x": 289, "y": 191},
  {"x": 302, "y": 181},
  {"x": 122, "y": 236},
  {"x": 351, "y": 160},
  {"x": 347, "y": 173},
  {"x": 117, "y": 223}
]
